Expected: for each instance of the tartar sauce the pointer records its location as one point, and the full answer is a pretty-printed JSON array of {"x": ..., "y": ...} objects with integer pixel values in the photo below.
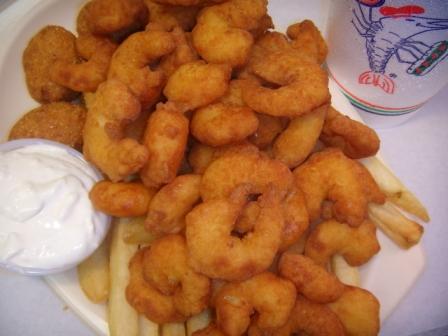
[{"x": 47, "y": 222}]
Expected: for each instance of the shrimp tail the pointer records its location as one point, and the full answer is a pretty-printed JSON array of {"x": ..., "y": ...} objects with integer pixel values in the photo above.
[{"x": 377, "y": 79}]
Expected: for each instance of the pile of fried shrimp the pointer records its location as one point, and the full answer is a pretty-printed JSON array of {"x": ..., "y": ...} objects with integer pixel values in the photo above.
[{"x": 243, "y": 201}]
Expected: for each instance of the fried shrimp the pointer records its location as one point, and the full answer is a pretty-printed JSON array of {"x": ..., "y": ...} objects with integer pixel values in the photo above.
[
  {"x": 113, "y": 107},
  {"x": 163, "y": 286},
  {"x": 51, "y": 44},
  {"x": 269, "y": 128},
  {"x": 310, "y": 279},
  {"x": 130, "y": 64},
  {"x": 330, "y": 175},
  {"x": 227, "y": 172},
  {"x": 219, "y": 124},
  {"x": 271, "y": 297},
  {"x": 105, "y": 17},
  {"x": 356, "y": 245},
  {"x": 307, "y": 39},
  {"x": 303, "y": 86},
  {"x": 297, "y": 141},
  {"x": 359, "y": 311},
  {"x": 60, "y": 121},
  {"x": 168, "y": 16},
  {"x": 122, "y": 199},
  {"x": 222, "y": 33},
  {"x": 232, "y": 258},
  {"x": 188, "y": 3},
  {"x": 197, "y": 84},
  {"x": 86, "y": 76},
  {"x": 355, "y": 139},
  {"x": 167, "y": 210},
  {"x": 165, "y": 139}
]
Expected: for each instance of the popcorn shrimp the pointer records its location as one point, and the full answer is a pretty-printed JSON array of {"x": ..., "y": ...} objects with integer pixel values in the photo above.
[
  {"x": 165, "y": 139},
  {"x": 163, "y": 286},
  {"x": 308, "y": 40},
  {"x": 130, "y": 64},
  {"x": 222, "y": 35},
  {"x": 210, "y": 225},
  {"x": 330, "y": 175},
  {"x": 272, "y": 297},
  {"x": 356, "y": 245},
  {"x": 113, "y": 107}
]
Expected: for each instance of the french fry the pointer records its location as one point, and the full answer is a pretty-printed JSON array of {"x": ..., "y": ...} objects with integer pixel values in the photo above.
[
  {"x": 135, "y": 232},
  {"x": 198, "y": 322},
  {"x": 123, "y": 319},
  {"x": 347, "y": 274},
  {"x": 93, "y": 273},
  {"x": 173, "y": 329},
  {"x": 147, "y": 327},
  {"x": 394, "y": 189},
  {"x": 403, "y": 231}
]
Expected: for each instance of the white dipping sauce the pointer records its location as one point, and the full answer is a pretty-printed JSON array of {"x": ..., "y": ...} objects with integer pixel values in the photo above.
[{"x": 47, "y": 222}]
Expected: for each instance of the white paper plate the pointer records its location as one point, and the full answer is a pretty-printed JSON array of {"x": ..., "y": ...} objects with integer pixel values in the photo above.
[{"x": 390, "y": 275}]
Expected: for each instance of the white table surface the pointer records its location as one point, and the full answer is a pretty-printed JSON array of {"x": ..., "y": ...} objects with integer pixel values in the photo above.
[{"x": 417, "y": 151}]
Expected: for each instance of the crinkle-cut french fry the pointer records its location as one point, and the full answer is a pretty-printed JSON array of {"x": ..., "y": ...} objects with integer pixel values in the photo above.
[
  {"x": 173, "y": 329},
  {"x": 198, "y": 322},
  {"x": 135, "y": 232},
  {"x": 395, "y": 225},
  {"x": 93, "y": 273},
  {"x": 395, "y": 190},
  {"x": 147, "y": 327},
  {"x": 347, "y": 274},
  {"x": 123, "y": 319}
]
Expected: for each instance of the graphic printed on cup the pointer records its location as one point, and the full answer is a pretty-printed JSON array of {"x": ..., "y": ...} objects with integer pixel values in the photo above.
[{"x": 399, "y": 49}]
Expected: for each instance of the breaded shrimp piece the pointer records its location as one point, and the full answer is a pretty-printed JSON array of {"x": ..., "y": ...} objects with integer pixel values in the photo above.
[
  {"x": 307, "y": 39},
  {"x": 269, "y": 128},
  {"x": 188, "y": 3},
  {"x": 50, "y": 44},
  {"x": 222, "y": 35},
  {"x": 106, "y": 17},
  {"x": 60, "y": 121},
  {"x": 210, "y": 224},
  {"x": 86, "y": 76},
  {"x": 112, "y": 108},
  {"x": 359, "y": 311},
  {"x": 270, "y": 296},
  {"x": 163, "y": 286},
  {"x": 130, "y": 64},
  {"x": 165, "y": 138},
  {"x": 310, "y": 279},
  {"x": 167, "y": 209},
  {"x": 197, "y": 84},
  {"x": 219, "y": 124},
  {"x": 330, "y": 175},
  {"x": 227, "y": 172},
  {"x": 297, "y": 141},
  {"x": 210, "y": 330},
  {"x": 302, "y": 86},
  {"x": 168, "y": 16},
  {"x": 355, "y": 139},
  {"x": 121, "y": 199},
  {"x": 356, "y": 245}
]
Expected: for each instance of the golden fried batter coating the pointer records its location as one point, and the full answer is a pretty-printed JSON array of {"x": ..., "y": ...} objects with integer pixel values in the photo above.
[
  {"x": 105, "y": 145},
  {"x": 168, "y": 16},
  {"x": 272, "y": 297},
  {"x": 50, "y": 44},
  {"x": 222, "y": 35},
  {"x": 187, "y": 3},
  {"x": 310, "y": 279},
  {"x": 60, "y": 121},
  {"x": 197, "y": 84},
  {"x": 162, "y": 285},
  {"x": 307, "y": 39},
  {"x": 330, "y": 175},
  {"x": 130, "y": 64},
  {"x": 355, "y": 139},
  {"x": 269, "y": 128},
  {"x": 167, "y": 210},
  {"x": 219, "y": 124},
  {"x": 210, "y": 330},
  {"x": 165, "y": 139},
  {"x": 357, "y": 245},
  {"x": 359, "y": 311},
  {"x": 214, "y": 251},
  {"x": 122, "y": 199}
]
